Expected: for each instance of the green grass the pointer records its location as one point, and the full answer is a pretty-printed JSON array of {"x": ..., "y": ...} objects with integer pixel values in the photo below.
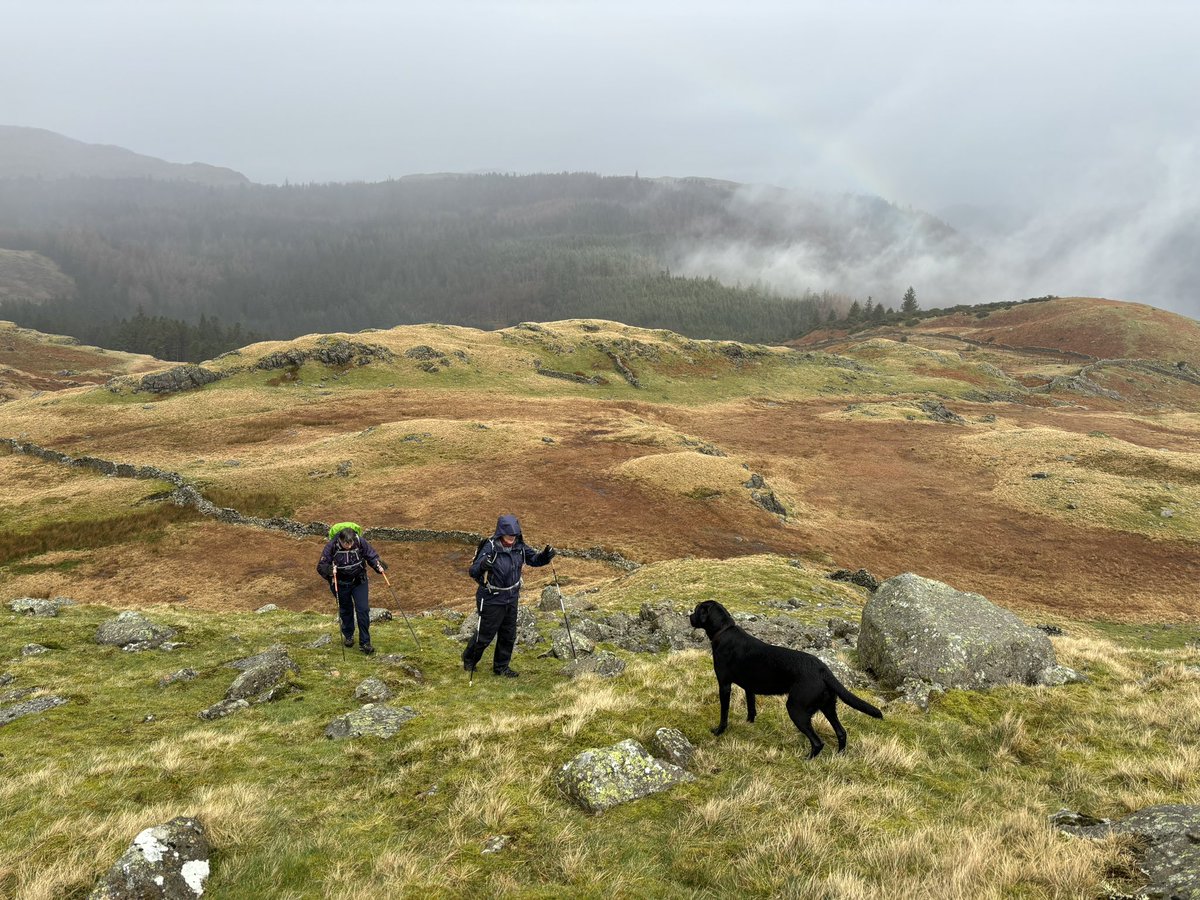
[{"x": 954, "y": 797}]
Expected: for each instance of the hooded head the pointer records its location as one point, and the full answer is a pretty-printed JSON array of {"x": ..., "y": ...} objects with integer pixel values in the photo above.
[{"x": 507, "y": 524}]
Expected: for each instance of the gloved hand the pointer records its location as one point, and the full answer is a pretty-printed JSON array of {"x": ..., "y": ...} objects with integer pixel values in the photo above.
[
  {"x": 381, "y": 567},
  {"x": 549, "y": 552}
]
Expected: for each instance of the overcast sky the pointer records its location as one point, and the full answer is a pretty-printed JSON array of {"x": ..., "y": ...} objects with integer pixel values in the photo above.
[{"x": 1033, "y": 106}]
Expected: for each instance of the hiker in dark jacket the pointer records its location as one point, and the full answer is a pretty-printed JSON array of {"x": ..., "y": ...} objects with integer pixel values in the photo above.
[
  {"x": 497, "y": 569},
  {"x": 348, "y": 556}
]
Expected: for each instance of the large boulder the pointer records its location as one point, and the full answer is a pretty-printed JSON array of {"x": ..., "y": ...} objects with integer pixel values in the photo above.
[
  {"x": 167, "y": 861},
  {"x": 1168, "y": 838},
  {"x": 605, "y": 777},
  {"x": 133, "y": 631},
  {"x": 374, "y": 720},
  {"x": 916, "y": 628}
]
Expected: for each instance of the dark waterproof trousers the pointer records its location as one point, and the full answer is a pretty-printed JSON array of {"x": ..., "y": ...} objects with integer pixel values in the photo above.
[
  {"x": 496, "y": 619},
  {"x": 352, "y": 600}
]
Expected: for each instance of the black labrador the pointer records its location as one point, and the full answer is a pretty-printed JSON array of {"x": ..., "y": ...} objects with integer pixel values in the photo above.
[{"x": 761, "y": 668}]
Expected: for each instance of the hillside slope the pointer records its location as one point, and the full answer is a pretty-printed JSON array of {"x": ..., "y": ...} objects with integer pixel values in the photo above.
[{"x": 38, "y": 153}]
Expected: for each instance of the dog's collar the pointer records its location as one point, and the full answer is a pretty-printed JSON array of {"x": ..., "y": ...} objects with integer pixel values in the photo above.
[{"x": 721, "y": 632}]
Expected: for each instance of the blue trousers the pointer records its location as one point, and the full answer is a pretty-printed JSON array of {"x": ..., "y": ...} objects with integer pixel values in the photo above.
[{"x": 352, "y": 600}]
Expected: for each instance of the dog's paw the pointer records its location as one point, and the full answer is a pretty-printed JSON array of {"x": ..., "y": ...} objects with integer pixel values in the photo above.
[{"x": 720, "y": 729}]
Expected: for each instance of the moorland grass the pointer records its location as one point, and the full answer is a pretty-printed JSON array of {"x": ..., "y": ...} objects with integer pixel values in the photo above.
[{"x": 952, "y": 803}]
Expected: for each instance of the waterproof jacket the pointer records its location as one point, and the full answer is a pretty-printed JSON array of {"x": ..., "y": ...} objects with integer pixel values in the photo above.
[
  {"x": 498, "y": 568},
  {"x": 351, "y": 564}
]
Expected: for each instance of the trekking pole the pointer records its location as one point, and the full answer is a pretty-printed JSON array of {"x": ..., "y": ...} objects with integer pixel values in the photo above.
[
  {"x": 563, "y": 607},
  {"x": 396, "y": 601},
  {"x": 337, "y": 604}
]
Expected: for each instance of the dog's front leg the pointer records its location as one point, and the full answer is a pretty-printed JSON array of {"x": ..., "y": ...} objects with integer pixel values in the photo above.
[
  {"x": 725, "y": 687},
  {"x": 751, "y": 709}
]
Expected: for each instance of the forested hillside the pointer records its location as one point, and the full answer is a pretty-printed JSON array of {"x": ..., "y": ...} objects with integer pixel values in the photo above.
[{"x": 149, "y": 258}]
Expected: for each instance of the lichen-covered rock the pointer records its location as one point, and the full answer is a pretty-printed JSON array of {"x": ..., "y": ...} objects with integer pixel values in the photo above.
[
  {"x": 34, "y": 606},
  {"x": 270, "y": 607},
  {"x": 1056, "y": 676},
  {"x": 549, "y": 601},
  {"x": 914, "y": 627},
  {"x": 168, "y": 861},
  {"x": 181, "y": 675},
  {"x": 323, "y": 641},
  {"x": 380, "y": 615},
  {"x": 372, "y": 720},
  {"x": 274, "y": 653},
  {"x": 222, "y": 708},
  {"x": 34, "y": 650},
  {"x": 265, "y": 682},
  {"x": 1169, "y": 845},
  {"x": 602, "y": 778},
  {"x": 372, "y": 690},
  {"x": 180, "y": 378},
  {"x": 861, "y": 577},
  {"x": 29, "y": 707},
  {"x": 919, "y": 693},
  {"x": 561, "y": 643},
  {"x": 672, "y": 745},
  {"x": 132, "y": 630},
  {"x": 601, "y": 663}
]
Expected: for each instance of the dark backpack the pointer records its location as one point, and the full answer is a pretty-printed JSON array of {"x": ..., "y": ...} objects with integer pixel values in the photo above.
[{"x": 482, "y": 579}]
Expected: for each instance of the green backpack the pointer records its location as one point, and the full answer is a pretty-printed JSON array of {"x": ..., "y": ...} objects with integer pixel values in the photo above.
[{"x": 353, "y": 526}]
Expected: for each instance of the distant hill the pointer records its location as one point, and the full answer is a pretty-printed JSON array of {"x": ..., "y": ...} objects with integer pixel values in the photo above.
[
  {"x": 25, "y": 275},
  {"x": 1087, "y": 326},
  {"x": 38, "y": 153}
]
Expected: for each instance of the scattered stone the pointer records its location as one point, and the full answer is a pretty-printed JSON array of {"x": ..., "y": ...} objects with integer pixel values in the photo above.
[
  {"x": 407, "y": 669},
  {"x": 270, "y": 607},
  {"x": 605, "y": 777},
  {"x": 272, "y": 653},
  {"x": 602, "y": 663},
  {"x": 6, "y": 678},
  {"x": 133, "y": 631},
  {"x": 1052, "y": 630},
  {"x": 169, "y": 645},
  {"x": 375, "y": 720},
  {"x": 756, "y": 481},
  {"x": 561, "y": 642},
  {"x": 495, "y": 844},
  {"x": 1040, "y": 475},
  {"x": 34, "y": 650},
  {"x": 372, "y": 690},
  {"x": 672, "y": 745},
  {"x": 918, "y": 693},
  {"x": 914, "y": 627},
  {"x": 380, "y": 615},
  {"x": 222, "y": 708},
  {"x": 939, "y": 413},
  {"x": 34, "y": 606},
  {"x": 768, "y": 501},
  {"x": 550, "y": 599},
  {"x": 181, "y": 675},
  {"x": 1057, "y": 676},
  {"x": 29, "y": 707},
  {"x": 1166, "y": 513},
  {"x": 167, "y": 861},
  {"x": 431, "y": 792},
  {"x": 1168, "y": 845},
  {"x": 545, "y": 440},
  {"x": 862, "y": 577},
  {"x": 323, "y": 641},
  {"x": 148, "y": 719},
  {"x": 265, "y": 682}
]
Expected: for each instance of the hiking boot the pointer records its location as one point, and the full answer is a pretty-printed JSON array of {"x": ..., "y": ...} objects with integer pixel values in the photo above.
[
  {"x": 506, "y": 672},
  {"x": 367, "y": 649},
  {"x": 347, "y": 642}
]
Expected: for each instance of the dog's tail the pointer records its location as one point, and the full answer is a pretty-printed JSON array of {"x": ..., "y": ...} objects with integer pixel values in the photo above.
[{"x": 848, "y": 698}]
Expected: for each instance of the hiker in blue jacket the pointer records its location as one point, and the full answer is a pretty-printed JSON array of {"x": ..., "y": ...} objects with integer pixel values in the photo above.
[
  {"x": 497, "y": 569},
  {"x": 351, "y": 554}
]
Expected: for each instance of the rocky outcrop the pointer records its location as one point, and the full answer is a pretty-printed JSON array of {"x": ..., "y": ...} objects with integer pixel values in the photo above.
[
  {"x": 916, "y": 628},
  {"x": 605, "y": 777},
  {"x": 36, "y": 606},
  {"x": 133, "y": 631},
  {"x": 562, "y": 643},
  {"x": 602, "y": 664},
  {"x": 862, "y": 578},
  {"x": 180, "y": 378},
  {"x": 28, "y": 708},
  {"x": 264, "y": 678},
  {"x": 168, "y": 861},
  {"x": 1168, "y": 845},
  {"x": 373, "y": 720},
  {"x": 937, "y": 411}
]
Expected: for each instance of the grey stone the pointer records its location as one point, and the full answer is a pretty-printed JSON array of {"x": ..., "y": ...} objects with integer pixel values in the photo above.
[
  {"x": 1056, "y": 676},
  {"x": 561, "y": 641},
  {"x": 6, "y": 678},
  {"x": 134, "y": 630},
  {"x": 270, "y": 607},
  {"x": 548, "y": 602},
  {"x": 672, "y": 745},
  {"x": 918, "y": 693},
  {"x": 29, "y": 707},
  {"x": 374, "y": 720},
  {"x": 372, "y": 690},
  {"x": 602, "y": 663},
  {"x": 380, "y": 615},
  {"x": 495, "y": 844},
  {"x": 265, "y": 682},
  {"x": 181, "y": 675},
  {"x": 222, "y": 708},
  {"x": 1169, "y": 852},
  {"x": 939, "y": 413},
  {"x": 323, "y": 641},
  {"x": 271, "y": 654},
  {"x": 860, "y": 577},
  {"x": 34, "y": 606},
  {"x": 167, "y": 861},
  {"x": 916, "y": 628},
  {"x": 602, "y": 778},
  {"x": 34, "y": 650}
]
